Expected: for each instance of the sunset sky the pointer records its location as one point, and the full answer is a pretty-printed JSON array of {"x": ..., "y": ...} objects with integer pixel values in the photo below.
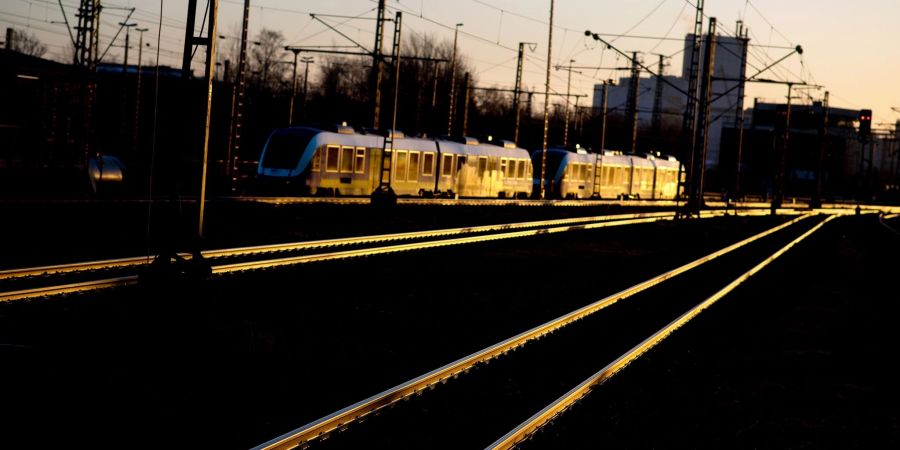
[{"x": 849, "y": 47}]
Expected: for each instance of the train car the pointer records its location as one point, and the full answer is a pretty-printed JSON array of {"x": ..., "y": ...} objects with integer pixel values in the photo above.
[
  {"x": 472, "y": 169},
  {"x": 610, "y": 174},
  {"x": 311, "y": 161},
  {"x": 343, "y": 162},
  {"x": 567, "y": 174},
  {"x": 667, "y": 170},
  {"x": 615, "y": 175}
]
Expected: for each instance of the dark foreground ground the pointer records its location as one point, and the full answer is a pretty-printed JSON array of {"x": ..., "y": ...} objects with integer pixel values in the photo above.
[
  {"x": 800, "y": 357},
  {"x": 233, "y": 362}
]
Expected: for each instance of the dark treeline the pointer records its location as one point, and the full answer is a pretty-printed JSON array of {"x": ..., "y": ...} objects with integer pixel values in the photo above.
[{"x": 46, "y": 143}]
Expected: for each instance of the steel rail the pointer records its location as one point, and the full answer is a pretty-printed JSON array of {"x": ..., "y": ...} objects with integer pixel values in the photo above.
[
  {"x": 47, "y": 291},
  {"x": 456, "y": 202},
  {"x": 280, "y": 262},
  {"x": 341, "y": 418},
  {"x": 309, "y": 245},
  {"x": 271, "y": 263},
  {"x": 881, "y": 219},
  {"x": 550, "y": 412}
]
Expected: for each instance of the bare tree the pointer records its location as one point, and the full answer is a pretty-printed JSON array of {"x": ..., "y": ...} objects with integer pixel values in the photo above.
[
  {"x": 265, "y": 59},
  {"x": 27, "y": 43}
]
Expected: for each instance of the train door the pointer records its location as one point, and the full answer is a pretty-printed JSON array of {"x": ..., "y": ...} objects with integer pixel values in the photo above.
[
  {"x": 462, "y": 175},
  {"x": 448, "y": 166},
  {"x": 428, "y": 175}
]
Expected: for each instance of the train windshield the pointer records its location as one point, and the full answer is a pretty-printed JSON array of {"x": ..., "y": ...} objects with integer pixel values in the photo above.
[{"x": 284, "y": 148}]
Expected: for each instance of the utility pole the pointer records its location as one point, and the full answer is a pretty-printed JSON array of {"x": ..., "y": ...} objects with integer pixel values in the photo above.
[
  {"x": 517, "y": 106},
  {"x": 86, "y": 43},
  {"x": 547, "y": 104},
  {"x": 87, "y": 32},
  {"x": 697, "y": 172},
  {"x": 237, "y": 101},
  {"x": 688, "y": 124},
  {"x": 306, "y": 60},
  {"x": 295, "y": 51},
  {"x": 656, "y": 121},
  {"x": 452, "y": 82},
  {"x": 127, "y": 44},
  {"x": 210, "y": 43},
  {"x": 378, "y": 65},
  {"x": 465, "y": 125},
  {"x": 568, "y": 92},
  {"x": 632, "y": 107},
  {"x": 384, "y": 191},
  {"x": 823, "y": 149},
  {"x": 603, "y": 112},
  {"x": 778, "y": 197},
  {"x": 137, "y": 95},
  {"x": 742, "y": 34}
]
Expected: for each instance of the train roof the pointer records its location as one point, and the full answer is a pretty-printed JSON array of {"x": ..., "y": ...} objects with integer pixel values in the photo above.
[{"x": 483, "y": 149}]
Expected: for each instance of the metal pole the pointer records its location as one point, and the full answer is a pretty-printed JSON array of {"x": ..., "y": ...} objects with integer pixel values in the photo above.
[
  {"x": 305, "y": 61},
  {"x": 189, "y": 39},
  {"x": 517, "y": 108},
  {"x": 453, "y": 83},
  {"x": 377, "y": 65},
  {"x": 740, "y": 112},
  {"x": 465, "y": 125},
  {"x": 603, "y": 114},
  {"x": 656, "y": 121},
  {"x": 698, "y": 170},
  {"x": 823, "y": 146},
  {"x": 547, "y": 103},
  {"x": 237, "y": 116},
  {"x": 210, "y": 74},
  {"x": 127, "y": 44},
  {"x": 137, "y": 96},
  {"x": 397, "y": 42},
  {"x": 296, "y": 51},
  {"x": 778, "y": 198},
  {"x": 633, "y": 100},
  {"x": 568, "y": 91}
]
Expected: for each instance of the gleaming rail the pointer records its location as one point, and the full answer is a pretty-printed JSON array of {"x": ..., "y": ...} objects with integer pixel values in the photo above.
[
  {"x": 499, "y": 232},
  {"x": 560, "y": 405},
  {"x": 311, "y": 245},
  {"x": 356, "y": 411}
]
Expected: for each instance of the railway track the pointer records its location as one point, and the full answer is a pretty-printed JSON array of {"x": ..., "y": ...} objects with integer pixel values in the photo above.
[
  {"x": 756, "y": 248},
  {"x": 37, "y": 282}
]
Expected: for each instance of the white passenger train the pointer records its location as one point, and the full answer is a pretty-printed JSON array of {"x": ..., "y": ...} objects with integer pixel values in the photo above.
[
  {"x": 609, "y": 175},
  {"x": 343, "y": 162},
  {"x": 311, "y": 161}
]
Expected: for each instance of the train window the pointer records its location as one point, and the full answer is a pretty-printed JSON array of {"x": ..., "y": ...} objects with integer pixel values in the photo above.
[
  {"x": 346, "y": 159},
  {"x": 521, "y": 169},
  {"x": 315, "y": 161},
  {"x": 360, "y": 160},
  {"x": 413, "y": 167},
  {"x": 428, "y": 164},
  {"x": 460, "y": 163},
  {"x": 511, "y": 168},
  {"x": 494, "y": 164},
  {"x": 503, "y": 163},
  {"x": 400, "y": 168},
  {"x": 447, "y": 166},
  {"x": 482, "y": 165},
  {"x": 331, "y": 158}
]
